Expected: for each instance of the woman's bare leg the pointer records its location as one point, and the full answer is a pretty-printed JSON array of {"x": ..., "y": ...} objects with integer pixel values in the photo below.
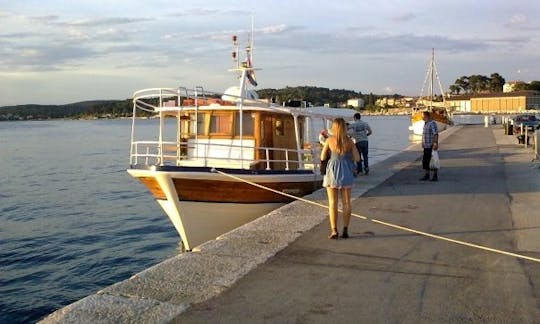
[
  {"x": 346, "y": 205},
  {"x": 332, "y": 208}
]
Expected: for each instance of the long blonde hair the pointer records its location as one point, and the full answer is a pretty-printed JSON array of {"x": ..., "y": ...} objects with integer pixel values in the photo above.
[{"x": 339, "y": 130}]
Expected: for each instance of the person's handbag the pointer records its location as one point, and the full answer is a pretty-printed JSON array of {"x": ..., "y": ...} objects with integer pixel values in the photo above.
[
  {"x": 324, "y": 163},
  {"x": 434, "y": 163}
]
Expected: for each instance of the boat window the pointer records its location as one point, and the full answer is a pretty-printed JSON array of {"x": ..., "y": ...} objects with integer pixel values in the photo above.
[
  {"x": 248, "y": 121},
  {"x": 279, "y": 127},
  {"x": 221, "y": 123},
  {"x": 200, "y": 126}
]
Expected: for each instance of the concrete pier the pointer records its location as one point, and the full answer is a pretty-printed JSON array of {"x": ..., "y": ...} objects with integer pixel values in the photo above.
[{"x": 282, "y": 268}]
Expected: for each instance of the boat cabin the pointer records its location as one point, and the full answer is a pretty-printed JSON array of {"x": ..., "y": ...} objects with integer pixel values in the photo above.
[{"x": 254, "y": 137}]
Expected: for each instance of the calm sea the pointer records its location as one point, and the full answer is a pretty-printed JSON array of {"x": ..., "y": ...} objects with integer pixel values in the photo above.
[{"x": 71, "y": 219}]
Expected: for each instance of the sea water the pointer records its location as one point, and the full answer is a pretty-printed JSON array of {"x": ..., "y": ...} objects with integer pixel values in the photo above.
[{"x": 72, "y": 221}]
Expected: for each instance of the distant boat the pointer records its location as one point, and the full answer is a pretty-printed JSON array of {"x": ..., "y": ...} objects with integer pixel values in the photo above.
[
  {"x": 233, "y": 132},
  {"x": 438, "y": 110}
]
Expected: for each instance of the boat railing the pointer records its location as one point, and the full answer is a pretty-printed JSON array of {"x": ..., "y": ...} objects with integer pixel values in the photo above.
[
  {"x": 156, "y": 153},
  {"x": 159, "y": 99}
]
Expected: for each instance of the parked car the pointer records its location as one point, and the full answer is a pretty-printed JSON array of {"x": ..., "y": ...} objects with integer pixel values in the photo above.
[{"x": 526, "y": 120}]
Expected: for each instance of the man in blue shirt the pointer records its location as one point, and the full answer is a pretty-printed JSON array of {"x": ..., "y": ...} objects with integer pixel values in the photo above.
[
  {"x": 430, "y": 143},
  {"x": 359, "y": 130}
]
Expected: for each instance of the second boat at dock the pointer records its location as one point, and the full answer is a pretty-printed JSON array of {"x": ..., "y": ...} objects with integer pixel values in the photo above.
[{"x": 438, "y": 110}]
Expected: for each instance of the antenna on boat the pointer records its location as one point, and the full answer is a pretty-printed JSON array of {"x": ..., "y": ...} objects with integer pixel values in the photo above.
[
  {"x": 250, "y": 40},
  {"x": 236, "y": 64}
]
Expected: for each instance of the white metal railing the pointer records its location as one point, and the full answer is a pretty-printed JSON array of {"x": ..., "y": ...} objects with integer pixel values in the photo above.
[
  {"x": 154, "y": 99},
  {"x": 149, "y": 153},
  {"x": 172, "y": 101}
]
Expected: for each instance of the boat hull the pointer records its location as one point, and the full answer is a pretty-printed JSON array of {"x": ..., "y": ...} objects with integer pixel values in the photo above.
[
  {"x": 417, "y": 127},
  {"x": 203, "y": 205},
  {"x": 417, "y": 122},
  {"x": 199, "y": 222}
]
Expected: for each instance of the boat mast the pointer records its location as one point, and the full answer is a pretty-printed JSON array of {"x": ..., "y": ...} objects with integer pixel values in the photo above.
[
  {"x": 432, "y": 75},
  {"x": 431, "y": 83},
  {"x": 438, "y": 80},
  {"x": 246, "y": 68}
]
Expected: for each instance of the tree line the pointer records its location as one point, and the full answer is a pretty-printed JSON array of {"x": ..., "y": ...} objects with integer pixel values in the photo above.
[
  {"x": 476, "y": 83},
  {"x": 79, "y": 110},
  {"x": 317, "y": 96},
  {"x": 533, "y": 85}
]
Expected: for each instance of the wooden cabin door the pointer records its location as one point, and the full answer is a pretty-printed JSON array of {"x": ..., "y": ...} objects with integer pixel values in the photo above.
[{"x": 267, "y": 138}]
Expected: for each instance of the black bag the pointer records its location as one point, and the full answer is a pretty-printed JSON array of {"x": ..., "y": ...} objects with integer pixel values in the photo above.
[{"x": 324, "y": 163}]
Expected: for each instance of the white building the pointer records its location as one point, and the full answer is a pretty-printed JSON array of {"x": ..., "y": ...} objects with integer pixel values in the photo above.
[
  {"x": 509, "y": 86},
  {"x": 356, "y": 103}
]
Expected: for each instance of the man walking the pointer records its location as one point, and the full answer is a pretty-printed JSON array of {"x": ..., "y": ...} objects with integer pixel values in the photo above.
[
  {"x": 430, "y": 143},
  {"x": 359, "y": 130}
]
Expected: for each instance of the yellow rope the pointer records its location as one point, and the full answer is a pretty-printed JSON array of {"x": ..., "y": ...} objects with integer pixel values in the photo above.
[{"x": 520, "y": 256}]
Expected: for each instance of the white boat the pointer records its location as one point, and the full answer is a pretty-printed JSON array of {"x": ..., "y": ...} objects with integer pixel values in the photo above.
[
  {"x": 199, "y": 132},
  {"x": 438, "y": 111}
]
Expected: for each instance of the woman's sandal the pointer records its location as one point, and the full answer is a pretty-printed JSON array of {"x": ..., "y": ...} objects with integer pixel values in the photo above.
[
  {"x": 345, "y": 233},
  {"x": 335, "y": 235}
]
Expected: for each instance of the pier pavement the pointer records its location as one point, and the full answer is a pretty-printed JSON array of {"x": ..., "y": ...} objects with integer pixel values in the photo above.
[{"x": 283, "y": 269}]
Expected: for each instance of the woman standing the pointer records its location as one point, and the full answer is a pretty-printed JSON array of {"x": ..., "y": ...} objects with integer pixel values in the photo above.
[{"x": 339, "y": 175}]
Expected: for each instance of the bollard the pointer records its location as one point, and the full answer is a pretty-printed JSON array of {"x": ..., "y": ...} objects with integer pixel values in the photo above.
[
  {"x": 536, "y": 149},
  {"x": 486, "y": 121}
]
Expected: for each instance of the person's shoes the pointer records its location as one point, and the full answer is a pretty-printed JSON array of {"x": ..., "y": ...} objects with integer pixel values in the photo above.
[
  {"x": 435, "y": 178},
  {"x": 425, "y": 178},
  {"x": 334, "y": 235},
  {"x": 366, "y": 171},
  {"x": 345, "y": 234}
]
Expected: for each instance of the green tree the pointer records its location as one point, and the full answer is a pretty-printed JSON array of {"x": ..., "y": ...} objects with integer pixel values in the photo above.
[
  {"x": 463, "y": 83},
  {"x": 454, "y": 89},
  {"x": 534, "y": 85},
  {"x": 520, "y": 86},
  {"x": 496, "y": 82},
  {"x": 478, "y": 83}
]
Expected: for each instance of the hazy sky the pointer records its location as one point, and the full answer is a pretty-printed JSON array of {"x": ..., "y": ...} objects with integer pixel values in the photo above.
[{"x": 62, "y": 51}]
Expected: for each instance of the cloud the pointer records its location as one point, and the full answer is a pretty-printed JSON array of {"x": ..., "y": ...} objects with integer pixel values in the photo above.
[
  {"x": 194, "y": 12},
  {"x": 42, "y": 58},
  {"x": 345, "y": 43},
  {"x": 203, "y": 12},
  {"x": 42, "y": 19},
  {"x": 521, "y": 22},
  {"x": 106, "y": 21},
  {"x": 404, "y": 17},
  {"x": 276, "y": 29},
  {"x": 226, "y": 34}
]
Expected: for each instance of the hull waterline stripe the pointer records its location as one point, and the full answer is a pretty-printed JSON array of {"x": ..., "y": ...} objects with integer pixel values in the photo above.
[{"x": 438, "y": 237}]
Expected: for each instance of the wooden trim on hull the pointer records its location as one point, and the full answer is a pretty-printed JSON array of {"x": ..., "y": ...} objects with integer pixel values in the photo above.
[
  {"x": 240, "y": 192},
  {"x": 200, "y": 190}
]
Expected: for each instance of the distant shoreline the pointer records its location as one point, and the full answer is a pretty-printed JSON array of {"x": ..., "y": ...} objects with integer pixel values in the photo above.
[{"x": 108, "y": 116}]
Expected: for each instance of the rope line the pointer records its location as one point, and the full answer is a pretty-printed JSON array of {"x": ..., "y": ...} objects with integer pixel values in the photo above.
[{"x": 403, "y": 228}]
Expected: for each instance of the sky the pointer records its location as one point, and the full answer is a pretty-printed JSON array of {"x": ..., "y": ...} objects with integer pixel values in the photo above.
[{"x": 65, "y": 51}]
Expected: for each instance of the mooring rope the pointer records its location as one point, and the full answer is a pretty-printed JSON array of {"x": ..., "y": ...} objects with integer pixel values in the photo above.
[{"x": 439, "y": 237}]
